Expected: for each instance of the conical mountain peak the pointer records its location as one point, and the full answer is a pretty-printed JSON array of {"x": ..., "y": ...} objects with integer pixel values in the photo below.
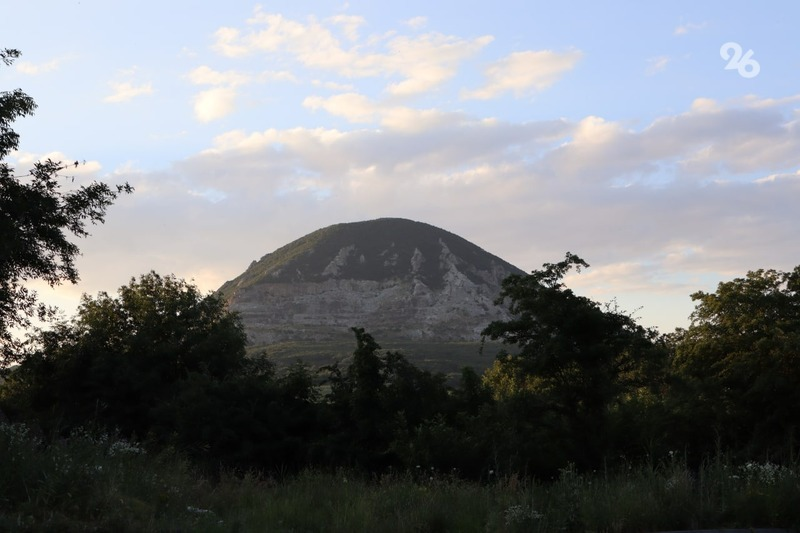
[{"x": 396, "y": 276}]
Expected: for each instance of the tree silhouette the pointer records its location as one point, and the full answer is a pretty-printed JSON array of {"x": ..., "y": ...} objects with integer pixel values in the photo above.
[{"x": 36, "y": 218}]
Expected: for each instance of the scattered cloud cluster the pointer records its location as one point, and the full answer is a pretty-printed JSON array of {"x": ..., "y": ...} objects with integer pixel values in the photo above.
[
  {"x": 421, "y": 62},
  {"x": 411, "y": 65}
]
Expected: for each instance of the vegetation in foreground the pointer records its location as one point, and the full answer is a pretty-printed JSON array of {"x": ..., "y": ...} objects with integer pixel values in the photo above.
[{"x": 93, "y": 482}]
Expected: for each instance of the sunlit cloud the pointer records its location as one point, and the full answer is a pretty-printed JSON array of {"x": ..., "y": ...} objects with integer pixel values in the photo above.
[
  {"x": 711, "y": 140},
  {"x": 73, "y": 167},
  {"x": 214, "y": 104},
  {"x": 207, "y": 76},
  {"x": 359, "y": 109},
  {"x": 34, "y": 69},
  {"x": 352, "y": 106},
  {"x": 705, "y": 105},
  {"x": 428, "y": 61},
  {"x": 125, "y": 91},
  {"x": 777, "y": 177},
  {"x": 349, "y": 25},
  {"x": 334, "y": 86},
  {"x": 276, "y": 75},
  {"x": 522, "y": 72}
]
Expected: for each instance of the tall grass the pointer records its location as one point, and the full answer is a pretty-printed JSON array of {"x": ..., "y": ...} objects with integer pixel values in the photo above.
[{"x": 94, "y": 482}]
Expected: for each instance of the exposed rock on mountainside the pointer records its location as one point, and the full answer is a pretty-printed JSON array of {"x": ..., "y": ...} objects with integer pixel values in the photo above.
[{"x": 397, "y": 278}]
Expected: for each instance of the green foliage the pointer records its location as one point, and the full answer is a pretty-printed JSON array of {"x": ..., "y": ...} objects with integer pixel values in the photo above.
[
  {"x": 121, "y": 357},
  {"x": 246, "y": 422},
  {"x": 36, "y": 220},
  {"x": 576, "y": 361},
  {"x": 739, "y": 362},
  {"x": 379, "y": 398}
]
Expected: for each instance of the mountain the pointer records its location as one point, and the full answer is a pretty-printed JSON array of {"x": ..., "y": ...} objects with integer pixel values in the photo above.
[{"x": 399, "y": 279}]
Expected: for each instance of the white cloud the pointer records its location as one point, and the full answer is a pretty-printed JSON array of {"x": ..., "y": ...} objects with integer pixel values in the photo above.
[
  {"x": 205, "y": 75},
  {"x": 411, "y": 120},
  {"x": 214, "y": 104},
  {"x": 417, "y": 23},
  {"x": 83, "y": 169},
  {"x": 521, "y": 72},
  {"x": 357, "y": 108},
  {"x": 705, "y": 105},
  {"x": 334, "y": 86},
  {"x": 125, "y": 91},
  {"x": 349, "y": 25},
  {"x": 354, "y": 107},
  {"x": 277, "y": 75},
  {"x": 226, "y": 42},
  {"x": 683, "y": 29},
  {"x": 33, "y": 69},
  {"x": 209, "y": 194},
  {"x": 776, "y": 177},
  {"x": 657, "y": 64},
  {"x": 709, "y": 141},
  {"x": 427, "y": 61},
  {"x": 754, "y": 101}
]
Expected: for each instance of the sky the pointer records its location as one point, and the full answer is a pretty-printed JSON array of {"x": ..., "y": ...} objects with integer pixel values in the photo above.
[{"x": 660, "y": 142}]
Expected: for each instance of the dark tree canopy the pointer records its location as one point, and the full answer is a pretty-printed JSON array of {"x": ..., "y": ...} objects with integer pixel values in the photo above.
[
  {"x": 377, "y": 399},
  {"x": 575, "y": 360},
  {"x": 740, "y": 360},
  {"x": 122, "y": 356},
  {"x": 37, "y": 218}
]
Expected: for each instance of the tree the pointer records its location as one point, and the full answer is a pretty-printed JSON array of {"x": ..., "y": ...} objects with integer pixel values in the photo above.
[
  {"x": 378, "y": 399},
  {"x": 740, "y": 363},
  {"x": 574, "y": 361},
  {"x": 36, "y": 216},
  {"x": 121, "y": 358}
]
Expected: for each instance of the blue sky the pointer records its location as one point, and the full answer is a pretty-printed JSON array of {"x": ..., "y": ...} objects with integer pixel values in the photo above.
[{"x": 609, "y": 129}]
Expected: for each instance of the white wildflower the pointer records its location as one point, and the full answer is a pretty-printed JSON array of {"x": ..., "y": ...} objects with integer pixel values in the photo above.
[
  {"x": 517, "y": 514},
  {"x": 122, "y": 447}
]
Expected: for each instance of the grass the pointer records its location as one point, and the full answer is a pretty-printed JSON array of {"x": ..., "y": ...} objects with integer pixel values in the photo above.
[{"x": 93, "y": 482}]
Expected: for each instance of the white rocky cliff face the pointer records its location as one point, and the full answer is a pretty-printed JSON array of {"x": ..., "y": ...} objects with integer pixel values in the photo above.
[{"x": 396, "y": 278}]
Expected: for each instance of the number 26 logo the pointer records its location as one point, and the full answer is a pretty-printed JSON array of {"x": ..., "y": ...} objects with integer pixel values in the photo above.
[{"x": 745, "y": 64}]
